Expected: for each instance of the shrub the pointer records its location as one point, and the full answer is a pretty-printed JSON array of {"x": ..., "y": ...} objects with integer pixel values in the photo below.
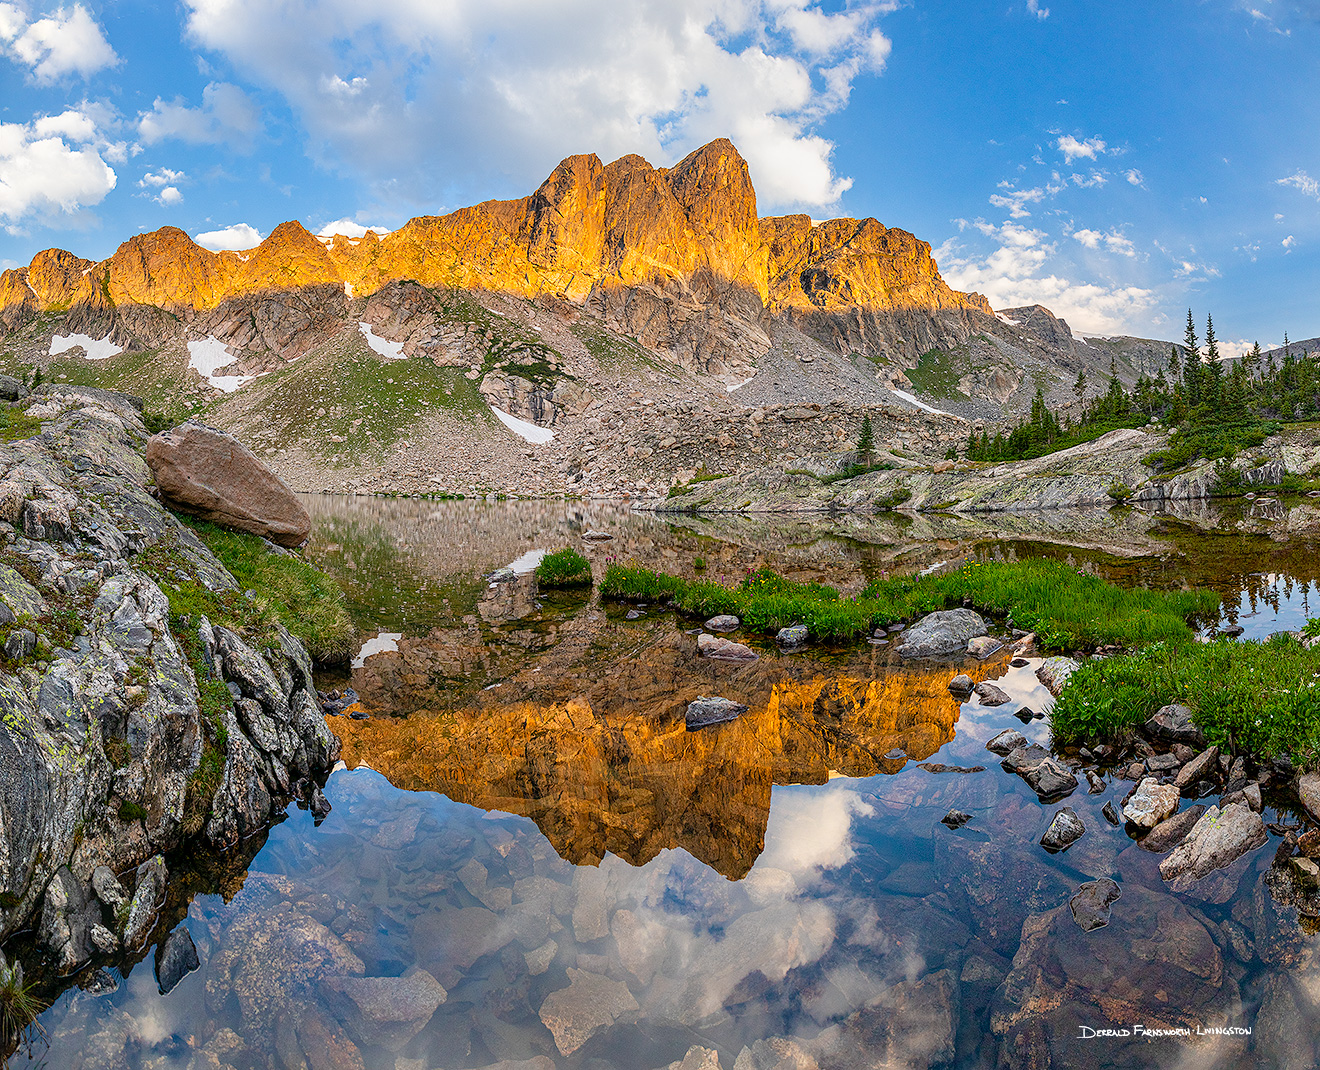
[
  {"x": 564, "y": 568},
  {"x": 1119, "y": 491}
]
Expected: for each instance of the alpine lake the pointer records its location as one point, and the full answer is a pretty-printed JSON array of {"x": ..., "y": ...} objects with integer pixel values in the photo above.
[{"x": 531, "y": 863}]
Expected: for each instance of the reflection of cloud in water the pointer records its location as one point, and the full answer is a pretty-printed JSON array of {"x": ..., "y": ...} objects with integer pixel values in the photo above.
[{"x": 810, "y": 830}]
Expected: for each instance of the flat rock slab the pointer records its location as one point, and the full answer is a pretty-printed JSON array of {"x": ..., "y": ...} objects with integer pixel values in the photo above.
[
  {"x": 1219, "y": 838},
  {"x": 212, "y": 475},
  {"x": 1151, "y": 803},
  {"x": 590, "y": 1003},
  {"x": 1090, "y": 906},
  {"x": 942, "y": 634},
  {"x": 983, "y": 646},
  {"x": 714, "y": 646},
  {"x": 705, "y": 711},
  {"x": 724, "y": 622},
  {"x": 990, "y": 695}
]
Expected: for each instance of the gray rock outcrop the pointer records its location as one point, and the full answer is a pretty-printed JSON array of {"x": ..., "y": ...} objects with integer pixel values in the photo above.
[
  {"x": 110, "y": 756},
  {"x": 942, "y": 634}
]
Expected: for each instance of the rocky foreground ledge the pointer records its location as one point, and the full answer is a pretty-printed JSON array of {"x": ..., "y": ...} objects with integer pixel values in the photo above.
[{"x": 121, "y": 738}]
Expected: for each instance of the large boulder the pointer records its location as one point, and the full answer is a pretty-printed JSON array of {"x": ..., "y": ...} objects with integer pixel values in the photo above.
[
  {"x": 942, "y": 634},
  {"x": 212, "y": 475}
]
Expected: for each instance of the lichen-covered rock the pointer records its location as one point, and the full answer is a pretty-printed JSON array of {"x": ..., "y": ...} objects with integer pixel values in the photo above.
[
  {"x": 103, "y": 737},
  {"x": 214, "y": 476},
  {"x": 942, "y": 634}
]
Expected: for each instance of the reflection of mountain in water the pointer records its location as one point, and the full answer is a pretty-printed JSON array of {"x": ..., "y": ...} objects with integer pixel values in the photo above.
[{"x": 593, "y": 746}]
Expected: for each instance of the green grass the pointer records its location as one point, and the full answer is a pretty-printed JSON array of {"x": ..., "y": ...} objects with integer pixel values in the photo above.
[
  {"x": 16, "y": 424},
  {"x": 1067, "y": 609},
  {"x": 286, "y": 589},
  {"x": 563, "y": 568},
  {"x": 19, "y": 1009},
  {"x": 1257, "y": 697},
  {"x": 935, "y": 375}
]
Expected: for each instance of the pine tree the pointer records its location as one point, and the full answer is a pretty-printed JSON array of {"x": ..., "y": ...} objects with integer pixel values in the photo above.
[
  {"x": 1175, "y": 364},
  {"x": 1212, "y": 379},
  {"x": 866, "y": 441},
  {"x": 1191, "y": 363},
  {"x": 1079, "y": 390}
]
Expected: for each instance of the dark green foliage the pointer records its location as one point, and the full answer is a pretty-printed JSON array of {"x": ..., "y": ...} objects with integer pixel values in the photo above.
[
  {"x": 563, "y": 568},
  {"x": 19, "y": 1009},
  {"x": 129, "y": 811},
  {"x": 1258, "y": 697},
  {"x": 1066, "y": 608},
  {"x": 866, "y": 442}
]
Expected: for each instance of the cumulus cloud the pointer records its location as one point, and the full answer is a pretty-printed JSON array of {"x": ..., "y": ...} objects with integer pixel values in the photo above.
[
  {"x": 1302, "y": 181},
  {"x": 1014, "y": 273},
  {"x": 53, "y": 166},
  {"x": 163, "y": 186},
  {"x": 1288, "y": 243},
  {"x": 348, "y": 229},
  {"x": 236, "y": 238},
  {"x": 1074, "y": 150},
  {"x": 62, "y": 42},
  {"x": 410, "y": 93},
  {"x": 227, "y": 115},
  {"x": 1042, "y": 13},
  {"x": 1135, "y": 177}
]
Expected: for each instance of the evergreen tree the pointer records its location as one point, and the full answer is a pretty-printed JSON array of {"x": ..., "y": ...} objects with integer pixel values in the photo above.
[
  {"x": 866, "y": 441},
  {"x": 1079, "y": 390},
  {"x": 1191, "y": 363},
  {"x": 1212, "y": 371},
  {"x": 1175, "y": 363}
]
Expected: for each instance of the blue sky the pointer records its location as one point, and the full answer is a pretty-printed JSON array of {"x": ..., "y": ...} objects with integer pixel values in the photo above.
[{"x": 1117, "y": 162}]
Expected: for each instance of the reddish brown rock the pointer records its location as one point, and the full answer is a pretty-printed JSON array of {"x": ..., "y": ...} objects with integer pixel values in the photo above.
[{"x": 212, "y": 475}]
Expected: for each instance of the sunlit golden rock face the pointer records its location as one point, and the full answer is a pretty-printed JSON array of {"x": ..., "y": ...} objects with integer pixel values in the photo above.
[
  {"x": 594, "y": 747},
  {"x": 690, "y": 233}
]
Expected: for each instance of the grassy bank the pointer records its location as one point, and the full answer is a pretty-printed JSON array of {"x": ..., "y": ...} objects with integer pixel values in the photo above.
[
  {"x": 285, "y": 589},
  {"x": 1261, "y": 698},
  {"x": 1067, "y": 609}
]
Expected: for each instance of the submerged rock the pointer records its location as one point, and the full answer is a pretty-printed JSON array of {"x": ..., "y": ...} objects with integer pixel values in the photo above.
[
  {"x": 956, "y": 819},
  {"x": 385, "y": 1012},
  {"x": 708, "y": 711},
  {"x": 942, "y": 634},
  {"x": 1047, "y": 777},
  {"x": 961, "y": 684},
  {"x": 1090, "y": 906},
  {"x": 214, "y": 476},
  {"x": 720, "y": 649},
  {"x": 589, "y": 1004}
]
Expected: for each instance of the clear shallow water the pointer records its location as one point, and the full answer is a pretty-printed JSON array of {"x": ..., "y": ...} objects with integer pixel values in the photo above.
[{"x": 586, "y": 884}]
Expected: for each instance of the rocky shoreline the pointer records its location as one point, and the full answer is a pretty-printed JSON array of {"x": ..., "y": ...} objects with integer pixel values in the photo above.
[{"x": 124, "y": 735}]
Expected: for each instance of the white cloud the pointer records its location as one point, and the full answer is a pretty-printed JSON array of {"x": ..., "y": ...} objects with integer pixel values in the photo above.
[
  {"x": 1302, "y": 181},
  {"x": 414, "y": 94},
  {"x": 227, "y": 116},
  {"x": 1042, "y": 13},
  {"x": 348, "y": 229},
  {"x": 164, "y": 182},
  {"x": 1014, "y": 274},
  {"x": 1112, "y": 240},
  {"x": 1288, "y": 243},
  {"x": 64, "y": 41},
  {"x": 1135, "y": 177},
  {"x": 1073, "y": 149},
  {"x": 52, "y": 166},
  {"x": 238, "y": 237}
]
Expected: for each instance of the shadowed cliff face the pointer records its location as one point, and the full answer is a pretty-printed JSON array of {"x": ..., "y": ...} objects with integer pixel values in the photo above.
[
  {"x": 666, "y": 254},
  {"x": 593, "y": 746}
]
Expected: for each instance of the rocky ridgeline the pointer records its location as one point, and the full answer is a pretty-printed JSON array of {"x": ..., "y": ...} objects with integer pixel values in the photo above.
[
  {"x": 117, "y": 740},
  {"x": 1111, "y": 469}
]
